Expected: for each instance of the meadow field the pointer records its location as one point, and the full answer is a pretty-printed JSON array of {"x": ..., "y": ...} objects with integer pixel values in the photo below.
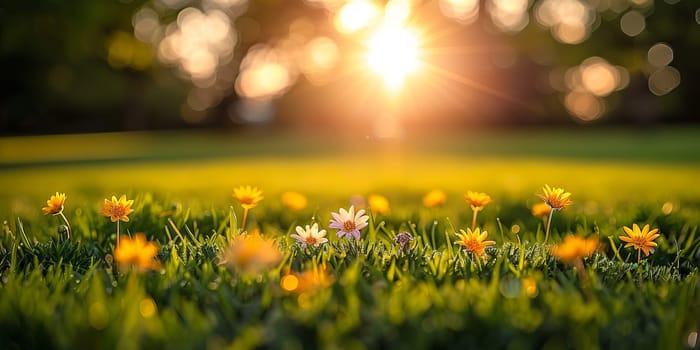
[{"x": 214, "y": 282}]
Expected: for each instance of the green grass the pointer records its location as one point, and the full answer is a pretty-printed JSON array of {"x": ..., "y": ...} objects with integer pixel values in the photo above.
[{"x": 60, "y": 294}]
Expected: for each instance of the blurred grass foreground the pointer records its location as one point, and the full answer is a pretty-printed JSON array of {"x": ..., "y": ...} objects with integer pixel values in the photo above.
[{"x": 190, "y": 273}]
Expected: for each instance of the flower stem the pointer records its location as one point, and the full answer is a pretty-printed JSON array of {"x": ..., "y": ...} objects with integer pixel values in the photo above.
[
  {"x": 476, "y": 212},
  {"x": 549, "y": 224},
  {"x": 578, "y": 264},
  {"x": 245, "y": 217},
  {"x": 639, "y": 256},
  {"x": 70, "y": 230},
  {"x": 117, "y": 233}
]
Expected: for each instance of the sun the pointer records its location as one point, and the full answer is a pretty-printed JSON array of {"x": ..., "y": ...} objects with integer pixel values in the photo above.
[{"x": 393, "y": 53}]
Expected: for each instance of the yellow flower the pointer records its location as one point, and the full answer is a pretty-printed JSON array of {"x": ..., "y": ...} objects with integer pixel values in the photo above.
[
  {"x": 248, "y": 196},
  {"x": 477, "y": 200},
  {"x": 136, "y": 252},
  {"x": 251, "y": 254},
  {"x": 54, "y": 205},
  {"x": 473, "y": 241},
  {"x": 307, "y": 281},
  {"x": 555, "y": 197},
  {"x": 434, "y": 198},
  {"x": 379, "y": 204},
  {"x": 541, "y": 209},
  {"x": 640, "y": 239},
  {"x": 117, "y": 210},
  {"x": 574, "y": 248},
  {"x": 294, "y": 200}
]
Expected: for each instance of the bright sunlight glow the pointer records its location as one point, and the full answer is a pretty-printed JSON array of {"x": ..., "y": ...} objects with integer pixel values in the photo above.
[
  {"x": 356, "y": 15},
  {"x": 393, "y": 53}
]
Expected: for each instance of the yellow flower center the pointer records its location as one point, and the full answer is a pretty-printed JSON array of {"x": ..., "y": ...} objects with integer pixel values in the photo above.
[
  {"x": 118, "y": 211},
  {"x": 474, "y": 246},
  {"x": 639, "y": 242},
  {"x": 247, "y": 199},
  {"x": 349, "y": 226}
]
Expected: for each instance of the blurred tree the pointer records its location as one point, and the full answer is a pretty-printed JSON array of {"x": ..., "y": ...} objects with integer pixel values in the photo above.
[{"x": 84, "y": 65}]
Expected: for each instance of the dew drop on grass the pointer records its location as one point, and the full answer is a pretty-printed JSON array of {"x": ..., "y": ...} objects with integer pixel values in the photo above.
[
  {"x": 667, "y": 208},
  {"x": 510, "y": 287}
]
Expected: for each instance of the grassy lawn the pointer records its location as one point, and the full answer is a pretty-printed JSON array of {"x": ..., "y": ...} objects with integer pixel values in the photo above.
[{"x": 67, "y": 294}]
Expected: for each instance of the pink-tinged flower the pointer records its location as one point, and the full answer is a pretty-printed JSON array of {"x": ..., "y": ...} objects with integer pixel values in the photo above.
[
  {"x": 310, "y": 236},
  {"x": 348, "y": 222}
]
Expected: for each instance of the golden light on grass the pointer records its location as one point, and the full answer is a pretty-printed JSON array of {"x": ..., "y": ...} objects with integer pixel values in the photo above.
[
  {"x": 392, "y": 52},
  {"x": 378, "y": 203},
  {"x": 294, "y": 200},
  {"x": 356, "y": 15},
  {"x": 667, "y": 208},
  {"x": 148, "y": 308},
  {"x": 308, "y": 281},
  {"x": 640, "y": 239},
  {"x": 137, "y": 252},
  {"x": 434, "y": 198},
  {"x": 530, "y": 286}
]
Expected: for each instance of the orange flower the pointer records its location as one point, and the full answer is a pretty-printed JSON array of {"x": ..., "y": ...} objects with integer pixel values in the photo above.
[
  {"x": 477, "y": 200},
  {"x": 379, "y": 204},
  {"x": 137, "y": 252},
  {"x": 307, "y": 281},
  {"x": 642, "y": 239},
  {"x": 574, "y": 247},
  {"x": 434, "y": 198},
  {"x": 251, "y": 254},
  {"x": 117, "y": 210},
  {"x": 541, "y": 209},
  {"x": 294, "y": 200},
  {"x": 555, "y": 197},
  {"x": 54, "y": 205},
  {"x": 473, "y": 241},
  {"x": 248, "y": 196}
]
